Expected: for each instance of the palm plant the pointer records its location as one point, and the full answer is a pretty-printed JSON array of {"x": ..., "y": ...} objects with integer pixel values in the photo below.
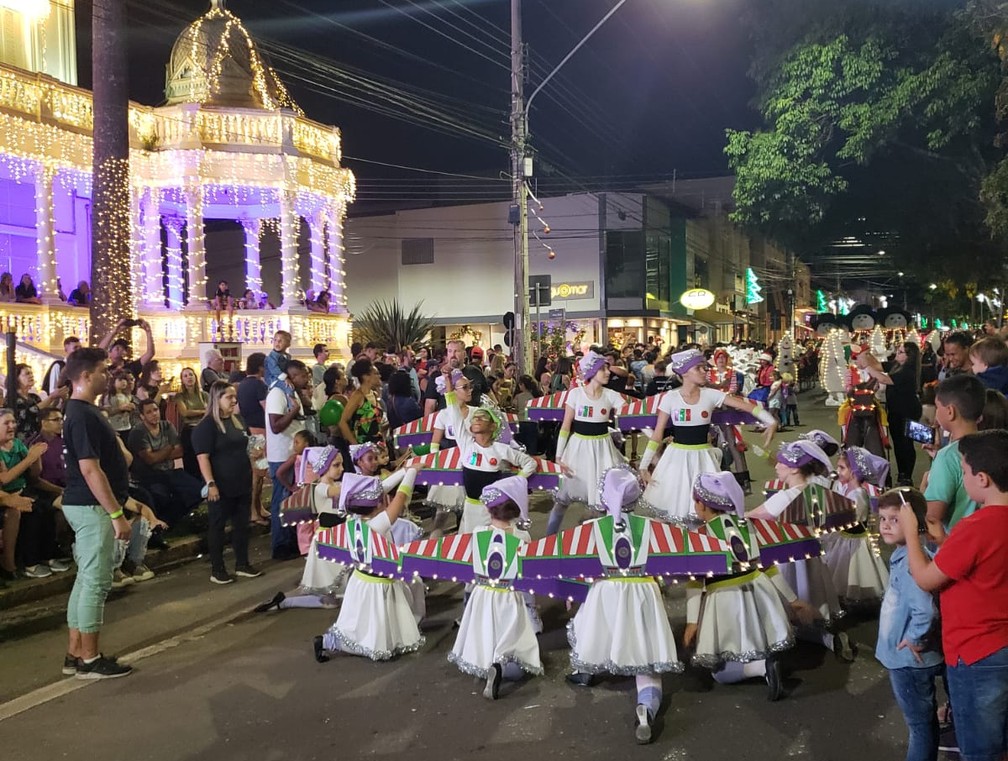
[{"x": 386, "y": 324}]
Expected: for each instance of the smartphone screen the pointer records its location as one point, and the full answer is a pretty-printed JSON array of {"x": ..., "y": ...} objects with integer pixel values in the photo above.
[{"x": 920, "y": 432}]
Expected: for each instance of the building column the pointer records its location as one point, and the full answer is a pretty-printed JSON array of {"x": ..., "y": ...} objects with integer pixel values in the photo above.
[
  {"x": 316, "y": 228},
  {"x": 290, "y": 284},
  {"x": 173, "y": 226},
  {"x": 45, "y": 238},
  {"x": 335, "y": 270},
  {"x": 253, "y": 260},
  {"x": 152, "y": 284},
  {"x": 195, "y": 246}
]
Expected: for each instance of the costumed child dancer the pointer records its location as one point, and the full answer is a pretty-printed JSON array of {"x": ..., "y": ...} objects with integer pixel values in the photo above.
[
  {"x": 377, "y": 618},
  {"x": 590, "y": 451},
  {"x": 736, "y": 624},
  {"x": 622, "y": 627},
  {"x": 497, "y": 636},
  {"x": 689, "y": 409},
  {"x": 449, "y": 499},
  {"x": 859, "y": 573},
  {"x": 483, "y": 456},
  {"x": 799, "y": 464},
  {"x": 367, "y": 461}
]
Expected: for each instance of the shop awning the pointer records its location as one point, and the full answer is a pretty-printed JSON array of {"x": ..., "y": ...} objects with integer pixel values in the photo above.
[{"x": 713, "y": 317}]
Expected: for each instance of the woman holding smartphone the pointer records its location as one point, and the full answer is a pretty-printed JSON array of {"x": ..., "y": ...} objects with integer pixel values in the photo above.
[{"x": 903, "y": 404}]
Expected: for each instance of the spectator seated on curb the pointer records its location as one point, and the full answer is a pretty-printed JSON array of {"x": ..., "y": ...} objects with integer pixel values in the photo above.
[
  {"x": 128, "y": 561},
  {"x": 155, "y": 446}
]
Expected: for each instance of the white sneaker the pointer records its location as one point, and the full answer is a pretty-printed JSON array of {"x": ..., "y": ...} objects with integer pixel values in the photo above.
[
  {"x": 142, "y": 573},
  {"x": 40, "y": 571},
  {"x": 58, "y": 566},
  {"x": 120, "y": 579}
]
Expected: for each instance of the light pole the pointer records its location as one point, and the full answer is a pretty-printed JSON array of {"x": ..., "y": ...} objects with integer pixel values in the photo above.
[{"x": 519, "y": 171}]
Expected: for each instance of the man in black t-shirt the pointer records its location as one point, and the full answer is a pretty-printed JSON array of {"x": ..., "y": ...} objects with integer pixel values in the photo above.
[
  {"x": 119, "y": 350},
  {"x": 97, "y": 487}
]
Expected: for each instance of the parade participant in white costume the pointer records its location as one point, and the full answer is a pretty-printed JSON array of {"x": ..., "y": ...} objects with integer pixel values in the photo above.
[
  {"x": 622, "y": 627},
  {"x": 585, "y": 450},
  {"x": 449, "y": 499},
  {"x": 737, "y": 624},
  {"x": 483, "y": 456},
  {"x": 367, "y": 462},
  {"x": 799, "y": 464},
  {"x": 859, "y": 573},
  {"x": 377, "y": 618},
  {"x": 497, "y": 637},
  {"x": 688, "y": 409}
]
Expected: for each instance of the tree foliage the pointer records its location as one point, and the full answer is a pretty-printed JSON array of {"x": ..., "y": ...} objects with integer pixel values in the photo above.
[
  {"x": 879, "y": 119},
  {"x": 387, "y": 325}
]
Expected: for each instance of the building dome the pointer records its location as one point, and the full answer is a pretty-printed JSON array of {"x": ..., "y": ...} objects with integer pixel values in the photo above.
[{"x": 216, "y": 62}]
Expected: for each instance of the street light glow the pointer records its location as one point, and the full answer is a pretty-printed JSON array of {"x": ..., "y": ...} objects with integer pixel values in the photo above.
[{"x": 933, "y": 287}]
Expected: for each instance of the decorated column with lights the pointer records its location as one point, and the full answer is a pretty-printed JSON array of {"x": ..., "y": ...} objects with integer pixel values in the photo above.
[
  {"x": 253, "y": 262},
  {"x": 289, "y": 285},
  {"x": 152, "y": 285},
  {"x": 195, "y": 245},
  {"x": 335, "y": 259},
  {"x": 173, "y": 226},
  {"x": 45, "y": 240},
  {"x": 318, "y": 258}
]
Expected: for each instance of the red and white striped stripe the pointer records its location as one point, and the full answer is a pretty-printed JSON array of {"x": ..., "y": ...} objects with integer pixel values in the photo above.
[
  {"x": 665, "y": 539},
  {"x": 580, "y": 540}
]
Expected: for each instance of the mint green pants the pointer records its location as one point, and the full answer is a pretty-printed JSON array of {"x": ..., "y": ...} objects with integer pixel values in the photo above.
[{"x": 94, "y": 546}]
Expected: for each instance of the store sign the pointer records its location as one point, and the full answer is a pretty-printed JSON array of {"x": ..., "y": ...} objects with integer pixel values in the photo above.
[
  {"x": 582, "y": 290},
  {"x": 697, "y": 298}
]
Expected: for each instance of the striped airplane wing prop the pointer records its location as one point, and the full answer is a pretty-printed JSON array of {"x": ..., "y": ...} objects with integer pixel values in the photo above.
[
  {"x": 299, "y": 507},
  {"x": 821, "y": 508},
  {"x": 571, "y": 554},
  {"x": 575, "y": 590},
  {"x": 772, "y": 487},
  {"x": 449, "y": 557},
  {"x": 445, "y": 469},
  {"x": 674, "y": 551},
  {"x": 420, "y": 431},
  {"x": 638, "y": 414},
  {"x": 355, "y": 544},
  {"x": 546, "y": 409},
  {"x": 784, "y": 542}
]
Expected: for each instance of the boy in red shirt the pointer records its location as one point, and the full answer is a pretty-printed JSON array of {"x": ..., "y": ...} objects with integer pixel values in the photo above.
[{"x": 971, "y": 570}]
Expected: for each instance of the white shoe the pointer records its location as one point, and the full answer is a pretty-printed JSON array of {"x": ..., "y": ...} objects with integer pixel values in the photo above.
[
  {"x": 643, "y": 729},
  {"x": 40, "y": 571}
]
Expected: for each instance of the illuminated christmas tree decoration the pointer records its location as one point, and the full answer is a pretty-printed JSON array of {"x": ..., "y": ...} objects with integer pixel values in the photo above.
[{"x": 753, "y": 289}]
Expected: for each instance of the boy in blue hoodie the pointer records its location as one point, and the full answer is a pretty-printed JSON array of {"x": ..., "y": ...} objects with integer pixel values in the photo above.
[
  {"x": 908, "y": 641},
  {"x": 989, "y": 358}
]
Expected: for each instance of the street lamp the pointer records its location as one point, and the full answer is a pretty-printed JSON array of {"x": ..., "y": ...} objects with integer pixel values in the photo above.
[{"x": 521, "y": 169}]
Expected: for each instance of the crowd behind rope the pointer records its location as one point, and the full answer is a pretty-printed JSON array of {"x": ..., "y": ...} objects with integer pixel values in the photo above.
[{"x": 219, "y": 436}]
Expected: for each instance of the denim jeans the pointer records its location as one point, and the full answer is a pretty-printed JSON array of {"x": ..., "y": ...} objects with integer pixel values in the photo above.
[
  {"x": 135, "y": 548},
  {"x": 914, "y": 690},
  {"x": 283, "y": 539},
  {"x": 979, "y": 694},
  {"x": 94, "y": 545}
]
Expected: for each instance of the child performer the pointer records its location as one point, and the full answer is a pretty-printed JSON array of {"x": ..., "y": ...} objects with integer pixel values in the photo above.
[
  {"x": 737, "y": 624},
  {"x": 859, "y": 573},
  {"x": 497, "y": 638},
  {"x": 799, "y": 464},
  {"x": 622, "y": 627},
  {"x": 449, "y": 499},
  {"x": 689, "y": 408},
  {"x": 908, "y": 643},
  {"x": 590, "y": 452},
  {"x": 376, "y": 619},
  {"x": 367, "y": 461},
  {"x": 482, "y": 456}
]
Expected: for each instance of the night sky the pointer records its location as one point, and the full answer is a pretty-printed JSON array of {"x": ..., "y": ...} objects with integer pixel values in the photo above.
[{"x": 649, "y": 95}]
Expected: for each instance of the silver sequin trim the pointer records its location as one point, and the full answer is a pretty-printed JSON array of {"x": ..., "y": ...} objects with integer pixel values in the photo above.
[
  {"x": 608, "y": 667},
  {"x": 348, "y": 645},
  {"x": 689, "y": 523},
  {"x": 471, "y": 668},
  {"x": 714, "y": 662}
]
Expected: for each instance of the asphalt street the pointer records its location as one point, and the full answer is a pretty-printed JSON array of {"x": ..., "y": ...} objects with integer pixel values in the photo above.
[{"x": 216, "y": 681}]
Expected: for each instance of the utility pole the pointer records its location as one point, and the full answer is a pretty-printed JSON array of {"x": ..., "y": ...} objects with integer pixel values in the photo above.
[{"x": 521, "y": 349}]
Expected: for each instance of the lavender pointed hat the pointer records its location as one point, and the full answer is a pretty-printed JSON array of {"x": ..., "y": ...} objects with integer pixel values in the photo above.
[
  {"x": 590, "y": 364},
  {"x": 514, "y": 488},
  {"x": 867, "y": 466},
  {"x": 320, "y": 458},
  {"x": 359, "y": 491},
  {"x": 797, "y": 453},
  {"x": 620, "y": 490},
  {"x": 827, "y": 443},
  {"x": 720, "y": 492},
  {"x": 357, "y": 451},
  {"x": 683, "y": 361}
]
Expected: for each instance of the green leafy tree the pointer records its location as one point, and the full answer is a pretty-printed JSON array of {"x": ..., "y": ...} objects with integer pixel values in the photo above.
[
  {"x": 879, "y": 118},
  {"x": 387, "y": 324}
]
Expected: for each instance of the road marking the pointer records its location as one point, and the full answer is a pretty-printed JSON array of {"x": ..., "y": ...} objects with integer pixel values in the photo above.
[{"x": 66, "y": 686}]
